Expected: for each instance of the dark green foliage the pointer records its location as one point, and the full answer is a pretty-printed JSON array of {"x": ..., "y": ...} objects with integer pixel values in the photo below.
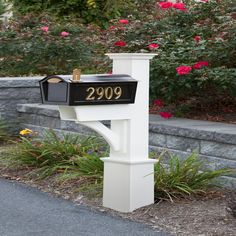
[
  {"x": 52, "y": 154},
  {"x": 182, "y": 178},
  {"x": 25, "y": 49},
  {"x": 96, "y": 11}
]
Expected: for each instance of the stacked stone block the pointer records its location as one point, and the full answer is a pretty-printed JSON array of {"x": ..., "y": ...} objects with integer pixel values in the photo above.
[{"x": 17, "y": 90}]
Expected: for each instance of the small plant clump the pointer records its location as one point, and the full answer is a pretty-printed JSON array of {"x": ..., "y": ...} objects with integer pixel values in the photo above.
[
  {"x": 69, "y": 154},
  {"x": 179, "y": 179}
]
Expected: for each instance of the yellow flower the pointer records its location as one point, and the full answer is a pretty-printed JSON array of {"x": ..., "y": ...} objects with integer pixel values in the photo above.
[{"x": 26, "y": 131}]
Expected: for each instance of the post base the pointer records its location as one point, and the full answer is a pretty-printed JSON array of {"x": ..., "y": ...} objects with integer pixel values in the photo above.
[{"x": 128, "y": 185}]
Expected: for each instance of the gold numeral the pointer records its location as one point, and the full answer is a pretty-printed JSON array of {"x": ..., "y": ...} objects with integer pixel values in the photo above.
[
  {"x": 90, "y": 96},
  {"x": 100, "y": 92},
  {"x": 118, "y": 92},
  {"x": 108, "y": 93}
]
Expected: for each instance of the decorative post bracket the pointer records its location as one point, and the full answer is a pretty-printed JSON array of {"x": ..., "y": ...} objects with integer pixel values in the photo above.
[{"x": 111, "y": 137}]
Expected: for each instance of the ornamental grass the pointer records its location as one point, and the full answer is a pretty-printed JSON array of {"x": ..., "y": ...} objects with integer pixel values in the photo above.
[
  {"x": 55, "y": 154},
  {"x": 182, "y": 178}
]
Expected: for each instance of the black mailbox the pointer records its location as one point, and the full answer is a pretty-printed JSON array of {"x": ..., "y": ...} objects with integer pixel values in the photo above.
[{"x": 89, "y": 90}]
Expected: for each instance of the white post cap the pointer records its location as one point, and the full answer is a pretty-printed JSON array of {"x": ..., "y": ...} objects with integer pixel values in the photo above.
[{"x": 131, "y": 56}]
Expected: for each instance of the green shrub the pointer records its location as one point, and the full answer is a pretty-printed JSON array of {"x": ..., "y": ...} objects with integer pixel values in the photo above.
[
  {"x": 96, "y": 11},
  {"x": 52, "y": 154},
  {"x": 178, "y": 178},
  {"x": 27, "y": 49}
]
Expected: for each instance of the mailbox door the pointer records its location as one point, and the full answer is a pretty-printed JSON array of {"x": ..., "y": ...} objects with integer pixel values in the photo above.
[
  {"x": 54, "y": 90},
  {"x": 57, "y": 92}
]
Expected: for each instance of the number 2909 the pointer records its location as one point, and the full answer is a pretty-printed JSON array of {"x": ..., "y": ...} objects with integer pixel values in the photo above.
[{"x": 101, "y": 93}]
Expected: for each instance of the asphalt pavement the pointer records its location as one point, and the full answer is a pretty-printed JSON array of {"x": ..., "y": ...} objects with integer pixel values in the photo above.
[{"x": 26, "y": 211}]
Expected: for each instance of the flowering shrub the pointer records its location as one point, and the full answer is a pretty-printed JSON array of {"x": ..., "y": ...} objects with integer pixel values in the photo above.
[
  {"x": 195, "y": 43},
  {"x": 31, "y": 46},
  {"x": 194, "y": 39}
]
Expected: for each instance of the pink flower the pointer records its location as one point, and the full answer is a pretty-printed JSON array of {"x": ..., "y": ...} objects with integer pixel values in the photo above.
[
  {"x": 120, "y": 43},
  {"x": 183, "y": 70},
  {"x": 153, "y": 46},
  {"x": 200, "y": 64},
  {"x": 165, "y": 5},
  {"x": 65, "y": 34},
  {"x": 158, "y": 102},
  {"x": 45, "y": 28},
  {"x": 124, "y": 21},
  {"x": 180, "y": 6},
  {"x": 110, "y": 72},
  {"x": 112, "y": 27},
  {"x": 197, "y": 38},
  {"x": 165, "y": 115}
]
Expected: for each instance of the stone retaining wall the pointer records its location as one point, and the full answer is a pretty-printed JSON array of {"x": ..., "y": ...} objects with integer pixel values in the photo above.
[{"x": 17, "y": 90}]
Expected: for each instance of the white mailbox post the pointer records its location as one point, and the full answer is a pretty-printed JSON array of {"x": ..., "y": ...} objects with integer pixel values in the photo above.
[{"x": 128, "y": 171}]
